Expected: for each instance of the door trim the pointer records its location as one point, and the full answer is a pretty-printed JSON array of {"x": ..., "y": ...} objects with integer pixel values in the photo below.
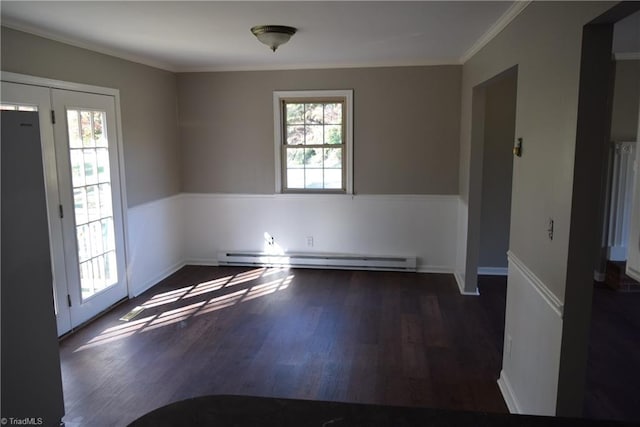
[{"x": 80, "y": 87}]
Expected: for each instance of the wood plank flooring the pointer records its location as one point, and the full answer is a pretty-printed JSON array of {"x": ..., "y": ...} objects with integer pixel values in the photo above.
[
  {"x": 369, "y": 337},
  {"x": 613, "y": 370}
]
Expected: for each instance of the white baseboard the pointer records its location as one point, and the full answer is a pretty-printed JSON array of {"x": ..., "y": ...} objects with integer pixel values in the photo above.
[
  {"x": 507, "y": 394},
  {"x": 149, "y": 283},
  {"x": 435, "y": 269},
  {"x": 599, "y": 276},
  {"x": 208, "y": 262},
  {"x": 460, "y": 282}
]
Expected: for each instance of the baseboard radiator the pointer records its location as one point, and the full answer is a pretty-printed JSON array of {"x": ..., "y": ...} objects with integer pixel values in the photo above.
[{"x": 318, "y": 260}]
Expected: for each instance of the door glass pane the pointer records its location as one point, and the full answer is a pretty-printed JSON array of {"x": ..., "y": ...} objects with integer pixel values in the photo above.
[
  {"x": 91, "y": 180},
  {"x": 77, "y": 168},
  {"x": 103, "y": 164},
  {"x": 73, "y": 120}
]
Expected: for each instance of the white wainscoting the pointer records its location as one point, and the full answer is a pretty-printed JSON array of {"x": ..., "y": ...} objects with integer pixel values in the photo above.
[
  {"x": 533, "y": 333},
  {"x": 392, "y": 225},
  {"x": 155, "y": 248},
  {"x": 189, "y": 228}
]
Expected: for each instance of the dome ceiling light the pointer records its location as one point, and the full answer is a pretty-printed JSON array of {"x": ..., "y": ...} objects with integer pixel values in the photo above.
[{"x": 273, "y": 35}]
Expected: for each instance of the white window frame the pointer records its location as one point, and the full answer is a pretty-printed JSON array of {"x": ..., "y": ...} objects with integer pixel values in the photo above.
[{"x": 278, "y": 126}]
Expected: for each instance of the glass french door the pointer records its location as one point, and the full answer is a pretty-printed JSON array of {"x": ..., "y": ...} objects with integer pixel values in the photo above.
[
  {"x": 91, "y": 213},
  {"x": 84, "y": 207}
]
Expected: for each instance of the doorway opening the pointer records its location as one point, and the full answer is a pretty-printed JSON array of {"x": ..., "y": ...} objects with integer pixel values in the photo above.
[
  {"x": 492, "y": 137},
  {"x": 615, "y": 316},
  {"x": 593, "y": 140}
]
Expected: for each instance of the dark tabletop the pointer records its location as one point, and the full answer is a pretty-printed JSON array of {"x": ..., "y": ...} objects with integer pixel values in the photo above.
[{"x": 246, "y": 411}]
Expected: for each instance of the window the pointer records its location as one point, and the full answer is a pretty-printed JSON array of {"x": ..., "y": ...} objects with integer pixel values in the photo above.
[{"x": 313, "y": 138}]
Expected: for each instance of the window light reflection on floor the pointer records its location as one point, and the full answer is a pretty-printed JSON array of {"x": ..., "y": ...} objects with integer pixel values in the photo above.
[{"x": 183, "y": 313}]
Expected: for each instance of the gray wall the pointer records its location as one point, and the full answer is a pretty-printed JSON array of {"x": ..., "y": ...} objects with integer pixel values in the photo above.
[
  {"x": 624, "y": 119},
  {"x": 549, "y": 65},
  {"x": 546, "y": 112},
  {"x": 406, "y": 127},
  {"x": 148, "y": 105},
  {"x": 497, "y": 168}
]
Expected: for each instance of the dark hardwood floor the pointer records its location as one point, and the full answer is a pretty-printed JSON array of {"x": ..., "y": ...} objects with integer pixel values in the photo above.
[
  {"x": 613, "y": 372},
  {"x": 369, "y": 337}
]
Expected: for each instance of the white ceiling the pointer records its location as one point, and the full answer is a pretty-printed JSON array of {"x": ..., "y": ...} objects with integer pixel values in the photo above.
[{"x": 212, "y": 35}]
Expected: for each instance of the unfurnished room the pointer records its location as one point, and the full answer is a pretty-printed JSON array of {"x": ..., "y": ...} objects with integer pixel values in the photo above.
[{"x": 331, "y": 213}]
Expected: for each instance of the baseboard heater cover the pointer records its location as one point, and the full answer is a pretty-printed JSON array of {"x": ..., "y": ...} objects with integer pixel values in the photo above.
[{"x": 319, "y": 260}]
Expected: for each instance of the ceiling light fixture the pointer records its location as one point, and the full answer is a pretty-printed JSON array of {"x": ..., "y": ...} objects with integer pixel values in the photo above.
[{"x": 273, "y": 35}]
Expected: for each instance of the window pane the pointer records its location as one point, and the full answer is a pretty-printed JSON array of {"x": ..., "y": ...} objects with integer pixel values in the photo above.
[
  {"x": 80, "y": 202},
  {"x": 313, "y": 113},
  {"x": 333, "y": 134},
  {"x": 86, "y": 279},
  {"x": 295, "y": 113},
  {"x": 313, "y": 134},
  {"x": 108, "y": 235},
  {"x": 333, "y": 178},
  {"x": 77, "y": 168},
  {"x": 98, "y": 273},
  {"x": 333, "y": 157},
  {"x": 295, "y": 135},
  {"x": 110, "y": 269},
  {"x": 105, "y": 200},
  {"x": 313, "y": 178},
  {"x": 333, "y": 113},
  {"x": 84, "y": 243},
  {"x": 95, "y": 229},
  {"x": 99, "y": 135},
  {"x": 314, "y": 143},
  {"x": 313, "y": 157},
  {"x": 295, "y": 178},
  {"x": 87, "y": 133},
  {"x": 295, "y": 157},
  {"x": 93, "y": 203},
  {"x": 103, "y": 165},
  {"x": 90, "y": 166},
  {"x": 74, "y": 129}
]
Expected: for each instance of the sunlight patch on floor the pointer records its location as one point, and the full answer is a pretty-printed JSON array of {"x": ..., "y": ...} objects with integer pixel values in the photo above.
[{"x": 183, "y": 313}]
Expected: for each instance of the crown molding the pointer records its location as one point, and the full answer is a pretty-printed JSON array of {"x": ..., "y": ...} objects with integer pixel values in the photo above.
[
  {"x": 378, "y": 64},
  {"x": 25, "y": 28},
  {"x": 516, "y": 8}
]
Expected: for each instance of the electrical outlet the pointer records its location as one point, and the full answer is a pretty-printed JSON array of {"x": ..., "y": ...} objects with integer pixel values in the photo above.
[
  {"x": 550, "y": 229},
  {"x": 310, "y": 241}
]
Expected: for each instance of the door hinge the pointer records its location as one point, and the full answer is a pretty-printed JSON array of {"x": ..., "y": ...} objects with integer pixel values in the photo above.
[
  {"x": 53, "y": 117},
  {"x": 69, "y": 300},
  {"x": 61, "y": 211}
]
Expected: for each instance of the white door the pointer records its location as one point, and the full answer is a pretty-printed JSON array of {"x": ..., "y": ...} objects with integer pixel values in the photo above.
[
  {"x": 20, "y": 96},
  {"x": 81, "y": 168},
  {"x": 89, "y": 188}
]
